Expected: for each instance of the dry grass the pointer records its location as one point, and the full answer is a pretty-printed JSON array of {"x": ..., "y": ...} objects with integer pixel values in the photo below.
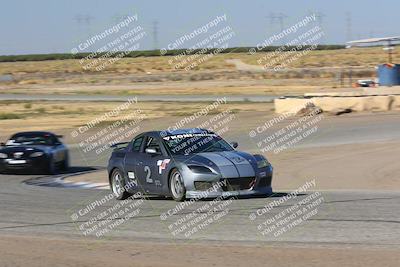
[
  {"x": 54, "y": 115},
  {"x": 366, "y": 57},
  {"x": 141, "y": 65},
  {"x": 154, "y": 75}
]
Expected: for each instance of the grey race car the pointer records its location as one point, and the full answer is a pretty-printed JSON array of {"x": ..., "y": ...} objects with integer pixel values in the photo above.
[{"x": 187, "y": 163}]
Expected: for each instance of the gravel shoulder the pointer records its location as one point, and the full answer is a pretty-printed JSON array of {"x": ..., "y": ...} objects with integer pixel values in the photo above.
[{"x": 42, "y": 251}]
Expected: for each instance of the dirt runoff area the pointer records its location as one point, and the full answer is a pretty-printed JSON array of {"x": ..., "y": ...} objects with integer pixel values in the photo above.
[{"x": 42, "y": 252}]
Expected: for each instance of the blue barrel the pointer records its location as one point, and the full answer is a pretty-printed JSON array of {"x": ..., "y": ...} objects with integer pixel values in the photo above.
[{"x": 389, "y": 74}]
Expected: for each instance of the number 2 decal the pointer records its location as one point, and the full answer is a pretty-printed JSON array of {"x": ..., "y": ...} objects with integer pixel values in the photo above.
[{"x": 148, "y": 174}]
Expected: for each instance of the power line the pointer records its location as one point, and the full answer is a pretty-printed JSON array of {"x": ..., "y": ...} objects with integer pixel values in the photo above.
[{"x": 83, "y": 19}]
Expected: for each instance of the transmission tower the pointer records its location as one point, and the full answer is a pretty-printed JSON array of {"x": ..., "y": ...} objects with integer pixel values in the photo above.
[
  {"x": 349, "y": 27},
  {"x": 155, "y": 35},
  {"x": 319, "y": 16},
  {"x": 278, "y": 18}
]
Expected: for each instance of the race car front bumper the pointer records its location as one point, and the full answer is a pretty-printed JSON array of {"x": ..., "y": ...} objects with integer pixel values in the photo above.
[
  {"x": 212, "y": 186},
  {"x": 213, "y": 194},
  {"x": 24, "y": 164}
]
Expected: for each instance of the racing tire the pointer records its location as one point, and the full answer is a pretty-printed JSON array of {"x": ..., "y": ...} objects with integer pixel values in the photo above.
[
  {"x": 176, "y": 186},
  {"x": 118, "y": 185}
]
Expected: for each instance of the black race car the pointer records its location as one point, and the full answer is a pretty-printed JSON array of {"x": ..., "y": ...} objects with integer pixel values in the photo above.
[
  {"x": 36, "y": 152},
  {"x": 186, "y": 163}
]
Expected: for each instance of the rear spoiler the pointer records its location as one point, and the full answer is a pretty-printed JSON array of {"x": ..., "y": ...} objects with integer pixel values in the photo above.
[{"x": 118, "y": 146}]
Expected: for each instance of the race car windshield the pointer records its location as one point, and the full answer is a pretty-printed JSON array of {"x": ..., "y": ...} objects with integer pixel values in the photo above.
[
  {"x": 30, "y": 140},
  {"x": 186, "y": 144}
]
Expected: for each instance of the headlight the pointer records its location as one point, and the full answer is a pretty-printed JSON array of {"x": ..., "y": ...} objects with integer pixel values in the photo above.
[
  {"x": 3, "y": 156},
  {"x": 262, "y": 163},
  {"x": 37, "y": 154},
  {"x": 199, "y": 169}
]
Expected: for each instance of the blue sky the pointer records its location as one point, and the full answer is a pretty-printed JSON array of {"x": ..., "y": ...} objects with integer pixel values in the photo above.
[{"x": 52, "y": 26}]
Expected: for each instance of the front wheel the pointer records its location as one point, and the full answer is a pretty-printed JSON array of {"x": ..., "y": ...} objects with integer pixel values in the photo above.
[
  {"x": 65, "y": 163},
  {"x": 51, "y": 167},
  {"x": 176, "y": 186},
  {"x": 118, "y": 185}
]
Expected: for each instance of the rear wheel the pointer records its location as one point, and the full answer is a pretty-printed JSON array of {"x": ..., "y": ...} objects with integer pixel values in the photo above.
[
  {"x": 176, "y": 186},
  {"x": 118, "y": 185}
]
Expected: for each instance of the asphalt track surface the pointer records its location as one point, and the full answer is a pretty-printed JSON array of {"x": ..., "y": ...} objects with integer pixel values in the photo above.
[
  {"x": 367, "y": 218},
  {"x": 345, "y": 218}
]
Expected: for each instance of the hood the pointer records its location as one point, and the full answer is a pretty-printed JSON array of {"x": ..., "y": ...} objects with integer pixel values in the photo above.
[{"x": 230, "y": 164}]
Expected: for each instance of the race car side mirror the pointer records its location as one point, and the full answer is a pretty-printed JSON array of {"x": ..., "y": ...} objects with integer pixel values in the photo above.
[
  {"x": 2, "y": 144},
  {"x": 234, "y": 144},
  {"x": 151, "y": 151}
]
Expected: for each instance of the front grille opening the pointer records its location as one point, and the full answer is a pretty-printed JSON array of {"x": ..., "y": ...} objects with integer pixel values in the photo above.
[
  {"x": 202, "y": 186},
  {"x": 265, "y": 181},
  {"x": 235, "y": 184}
]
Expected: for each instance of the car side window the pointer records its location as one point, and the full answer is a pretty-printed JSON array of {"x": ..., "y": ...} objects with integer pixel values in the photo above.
[
  {"x": 137, "y": 144},
  {"x": 152, "y": 143}
]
